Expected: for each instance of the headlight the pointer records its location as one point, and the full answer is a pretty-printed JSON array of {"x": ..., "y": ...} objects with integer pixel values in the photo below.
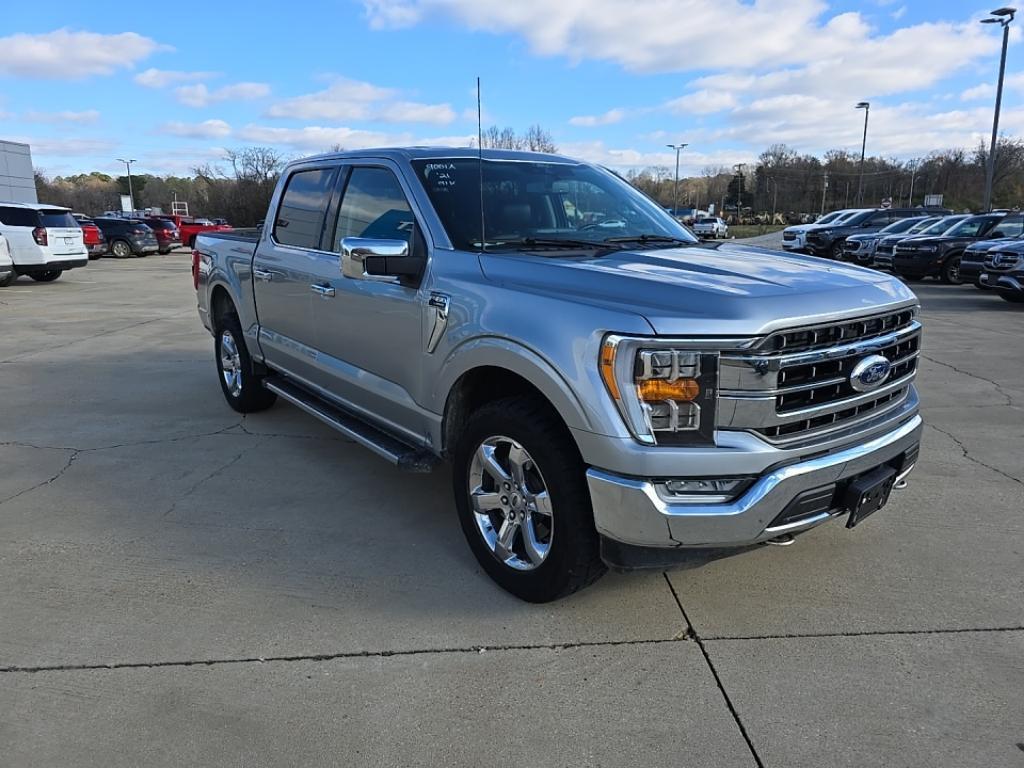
[
  {"x": 667, "y": 395},
  {"x": 928, "y": 248}
]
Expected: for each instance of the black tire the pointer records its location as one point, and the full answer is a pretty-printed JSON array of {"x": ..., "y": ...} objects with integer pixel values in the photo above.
[
  {"x": 950, "y": 274},
  {"x": 247, "y": 395},
  {"x": 836, "y": 252},
  {"x": 911, "y": 278},
  {"x": 8, "y": 279},
  {"x": 1013, "y": 298},
  {"x": 121, "y": 249},
  {"x": 573, "y": 558},
  {"x": 48, "y": 276}
]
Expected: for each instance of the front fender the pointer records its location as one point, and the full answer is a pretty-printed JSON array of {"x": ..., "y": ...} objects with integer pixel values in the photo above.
[{"x": 498, "y": 352}]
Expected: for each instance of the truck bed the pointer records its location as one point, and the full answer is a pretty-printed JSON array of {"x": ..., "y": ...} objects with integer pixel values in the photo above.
[{"x": 245, "y": 234}]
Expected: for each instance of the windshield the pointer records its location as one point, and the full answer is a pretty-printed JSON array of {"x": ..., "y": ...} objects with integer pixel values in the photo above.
[
  {"x": 922, "y": 225},
  {"x": 903, "y": 225},
  {"x": 943, "y": 225},
  {"x": 828, "y": 218},
  {"x": 971, "y": 227},
  {"x": 540, "y": 201}
]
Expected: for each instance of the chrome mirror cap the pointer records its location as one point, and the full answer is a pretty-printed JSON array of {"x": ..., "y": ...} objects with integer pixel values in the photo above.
[{"x": 355, "y": 251}]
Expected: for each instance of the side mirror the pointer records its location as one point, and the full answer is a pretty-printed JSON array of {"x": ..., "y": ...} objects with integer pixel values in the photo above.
[{"x": 364, "y": 258}]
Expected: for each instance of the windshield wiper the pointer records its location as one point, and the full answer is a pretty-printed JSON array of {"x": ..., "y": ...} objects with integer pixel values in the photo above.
[
  {"x": 649, "y": 239},
  {"x": 548, "y": 242}
]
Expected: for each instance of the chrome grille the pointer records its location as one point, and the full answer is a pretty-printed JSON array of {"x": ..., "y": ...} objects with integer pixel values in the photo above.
[{"x": 794, "y": 387}]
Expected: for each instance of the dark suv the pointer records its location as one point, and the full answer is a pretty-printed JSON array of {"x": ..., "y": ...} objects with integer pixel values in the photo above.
[
  {"x": 934, "y": 225},
  {"x": 128, "y": 237},
  {"x": 828, "y": 240},
  {"x": 166, "y": 231},
  {"x": 939, "y": 255},
  {"x": 1010, "y": 230},
  {"x": 860, "y": 248},
  {"x": 1004, "y": 271}
]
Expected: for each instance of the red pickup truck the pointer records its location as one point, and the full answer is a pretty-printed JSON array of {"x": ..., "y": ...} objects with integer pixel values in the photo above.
[{"x": 190, "y": 226}]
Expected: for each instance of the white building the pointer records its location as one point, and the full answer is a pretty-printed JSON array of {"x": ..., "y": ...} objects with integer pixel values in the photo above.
[{"x": 17, "y": 181}]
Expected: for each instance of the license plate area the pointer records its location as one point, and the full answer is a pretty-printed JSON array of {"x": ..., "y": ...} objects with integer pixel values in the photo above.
[{"x": 868, "y": 493}]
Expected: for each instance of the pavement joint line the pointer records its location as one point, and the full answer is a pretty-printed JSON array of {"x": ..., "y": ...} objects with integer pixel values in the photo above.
[
  {"x": 67, "y": 465},
  {"x": 215, "y": 473},
  {"x": 866, "y": 633},
  {"x": 714, "y": 673},
  {"x": 320, "y": 657},
  {"x": 967, "y": 454},
  {"x": 996, "y": 384}
]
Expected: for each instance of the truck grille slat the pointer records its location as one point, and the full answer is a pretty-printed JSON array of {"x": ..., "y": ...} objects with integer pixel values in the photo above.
[{"x": 795, "y": 386}]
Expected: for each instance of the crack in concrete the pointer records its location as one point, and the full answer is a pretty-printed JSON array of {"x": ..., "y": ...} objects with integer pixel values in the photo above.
[
  {"x": 867, "y": 633},
  {"x": 157, "y": 441},
  {"x": 967, "y": 454},
  {"x": 26, "y": 355},
  {"x": 693, "y": 635},
  {"x": 71, "y": 460},
  {"x": 216, "y": 473},
  {"x": 998, "y": 387},
  {"x": 476, "y": 649}
]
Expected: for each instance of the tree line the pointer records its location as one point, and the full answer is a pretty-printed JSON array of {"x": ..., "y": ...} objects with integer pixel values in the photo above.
[
  {"x": 782, "y": 181},
  {"x": 785, "y": 182}
]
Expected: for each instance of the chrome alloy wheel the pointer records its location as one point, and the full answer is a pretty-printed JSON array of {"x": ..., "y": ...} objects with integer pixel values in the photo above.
[
  {"x": 511, "y": 504},
  {"x": 230, "y": 363}
]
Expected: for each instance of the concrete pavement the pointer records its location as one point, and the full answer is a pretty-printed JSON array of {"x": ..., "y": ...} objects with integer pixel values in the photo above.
[{"x": 182, "y": 585}]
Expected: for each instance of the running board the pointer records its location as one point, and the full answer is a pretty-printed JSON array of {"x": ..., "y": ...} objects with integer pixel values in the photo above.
[{"x": 399, "y": 453}]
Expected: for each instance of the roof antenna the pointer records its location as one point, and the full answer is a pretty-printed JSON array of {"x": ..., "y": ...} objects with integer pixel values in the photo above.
[{"x": 480, "y": 162}]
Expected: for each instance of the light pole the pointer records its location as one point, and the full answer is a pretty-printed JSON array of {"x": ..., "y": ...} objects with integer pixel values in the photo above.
[
  {"x": 739, "y": 189},
  {"x": 675, "y": 187},
  {"x": 866, "y": 106},
  {"x": 1003, "y": 17},
  {"x": 913, "y": 175},
  {"x": 128, "y": 165}
]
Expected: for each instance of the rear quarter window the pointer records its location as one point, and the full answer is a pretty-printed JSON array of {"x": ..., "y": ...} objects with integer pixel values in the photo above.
[
  {"x": 57, "y": 218},
  {"x": 18, "y": 217}
]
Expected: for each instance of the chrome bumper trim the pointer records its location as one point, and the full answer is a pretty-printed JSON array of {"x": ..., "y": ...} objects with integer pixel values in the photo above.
[{"x": 631, "y": 511}]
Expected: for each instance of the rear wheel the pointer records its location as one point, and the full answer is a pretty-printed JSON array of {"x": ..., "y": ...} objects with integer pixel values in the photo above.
[
  {"x": 951, "y": 271},
  {"x": 242, "y": 386},
  {"x": 523, "y": 503},
  {"x": 7, "y": 279},
  {"x": 121, "y": 249},
  {"x": 47, "y": 277}
]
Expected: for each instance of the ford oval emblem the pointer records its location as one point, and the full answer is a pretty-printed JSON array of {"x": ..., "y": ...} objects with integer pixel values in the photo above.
[{"x": 870, "y": 373}]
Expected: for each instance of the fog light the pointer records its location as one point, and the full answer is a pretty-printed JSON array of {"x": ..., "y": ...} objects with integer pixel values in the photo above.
[{"x": 703, "y": 490}]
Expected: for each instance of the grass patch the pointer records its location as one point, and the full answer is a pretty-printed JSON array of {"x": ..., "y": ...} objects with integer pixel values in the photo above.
[{"x": 753, "y": 230}]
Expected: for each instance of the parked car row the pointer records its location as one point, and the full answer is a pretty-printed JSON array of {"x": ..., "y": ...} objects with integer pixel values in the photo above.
[
  {"x": 986, "y": 249},
  {"x": 42, "y": 241}
]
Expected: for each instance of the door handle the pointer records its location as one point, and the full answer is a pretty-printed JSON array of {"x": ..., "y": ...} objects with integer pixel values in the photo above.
[
  {"x": 325, "y": 291},
  {"x": 262, "y": 274}
]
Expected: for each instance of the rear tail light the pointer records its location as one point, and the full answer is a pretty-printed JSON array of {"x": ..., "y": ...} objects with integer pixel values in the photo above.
[
  {"x": 39, "y": 235},
  {"x": 195, "y": 269},
  {"x": 138, "y": 231}
]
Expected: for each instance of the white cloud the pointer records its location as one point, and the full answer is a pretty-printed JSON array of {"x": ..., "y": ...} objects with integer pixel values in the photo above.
[
  {"x": 1014, "y": 82},
  {"x": 208, "y": 129},
  {"x": 610, "y": 117},
  {"x": 43, "y": 147},
  {"x": 898, "y": 13},
  {"x": 702, "y": 102},
  {"x": 354, "y": 100},
  {"x": 162, "y": 78},
  {"x": 84, "y": 117},
  {"x": 65, "y": 54},
  {"x": 199, "y": 95},
  {"x": 624, "y": 158}
]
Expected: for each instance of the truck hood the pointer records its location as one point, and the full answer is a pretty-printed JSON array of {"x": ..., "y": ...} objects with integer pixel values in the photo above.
[{"x": 734, "y": 290}]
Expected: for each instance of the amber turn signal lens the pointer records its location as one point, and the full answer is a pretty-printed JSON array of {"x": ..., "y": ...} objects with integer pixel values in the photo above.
[
  {"x": 660, "y": 390},
  {"x": 608, "y": 370}
]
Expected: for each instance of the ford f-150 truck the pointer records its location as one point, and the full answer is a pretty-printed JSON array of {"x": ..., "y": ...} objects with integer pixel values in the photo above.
[{"x": 606, "y": 390}]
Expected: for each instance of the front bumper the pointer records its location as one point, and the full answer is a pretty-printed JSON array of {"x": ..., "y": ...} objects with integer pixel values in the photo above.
[
  {"x": 97, "y": 249},
  {"x": 1004, "y": 283},
  {"x": 917, "y": 265},
  {"x": 631, "y": 511}
]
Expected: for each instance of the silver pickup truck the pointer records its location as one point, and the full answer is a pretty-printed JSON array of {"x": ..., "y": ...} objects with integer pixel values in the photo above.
[{"x": 607, "y": 390}]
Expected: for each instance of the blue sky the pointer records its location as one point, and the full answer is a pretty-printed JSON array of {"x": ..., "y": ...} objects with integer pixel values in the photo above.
[{"x": 613, "y": 81}]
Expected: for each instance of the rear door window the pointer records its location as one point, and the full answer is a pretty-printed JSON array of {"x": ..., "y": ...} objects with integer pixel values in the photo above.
[
  {"x": 300, "y": 217},
  {"x": 18, "y": 217}
]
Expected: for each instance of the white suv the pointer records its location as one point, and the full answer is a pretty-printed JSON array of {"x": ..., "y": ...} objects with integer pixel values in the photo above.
[
  {"x": 710, "y": 226},
  {"x": 44, "y": 240},
  {"x": 7, "y": 274}
]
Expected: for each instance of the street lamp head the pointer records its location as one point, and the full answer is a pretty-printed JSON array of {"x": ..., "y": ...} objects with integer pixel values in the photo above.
[
  {"x": 1004, "y": 12},
  {"x": 863, "y": 105}
]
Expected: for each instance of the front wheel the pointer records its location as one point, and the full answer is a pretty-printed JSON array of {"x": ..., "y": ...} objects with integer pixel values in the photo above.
[
  {"x": 242, "y": 386},
  {"x": 47, "y": 277},
  {"x": 523, "y": 503},
  {"x": 7, "y": 279},
  {"x": 836, "y": 252},
  {"x": 951, "y": 272}
]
